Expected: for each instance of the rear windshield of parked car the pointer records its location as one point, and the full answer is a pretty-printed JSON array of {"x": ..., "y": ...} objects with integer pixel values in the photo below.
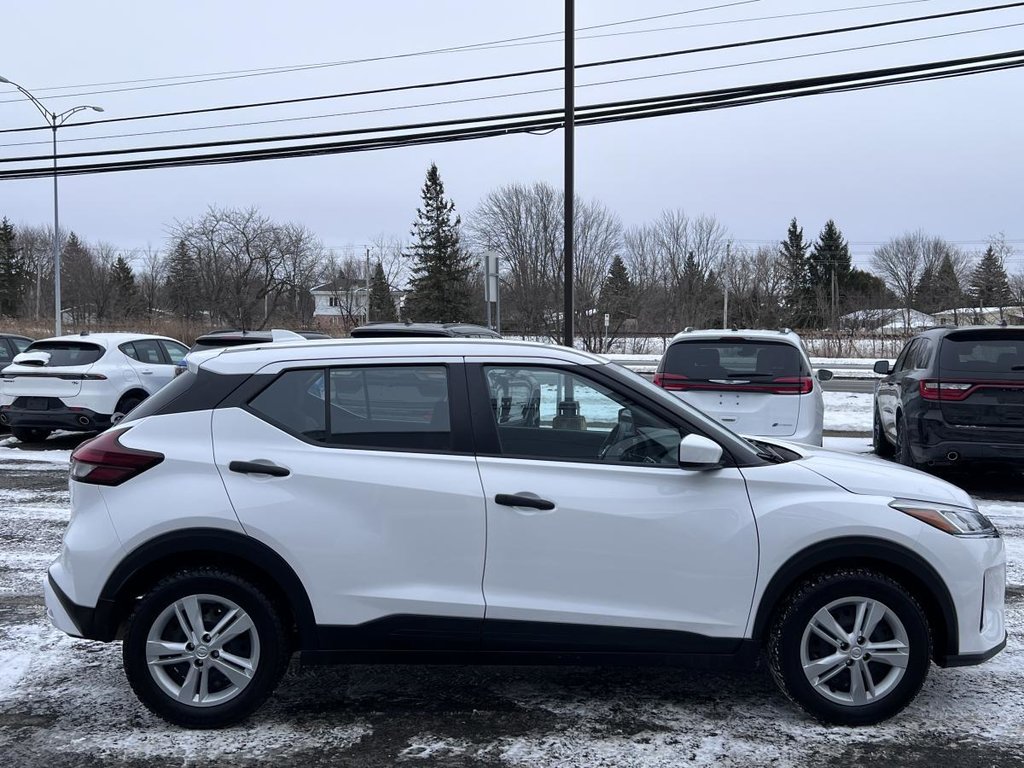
[
  {"x": 755, "y": 361},
  {"x": 969, "y": 353},
  {"x": 67, "y": 352}
]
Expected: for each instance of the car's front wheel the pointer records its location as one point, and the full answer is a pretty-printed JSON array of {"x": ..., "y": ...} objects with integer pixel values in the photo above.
[
  {"x": 850, "y": 647},
  {"x": 904, "y": 454},
  {"x": 204, "y": 648},
  {"x": 879, "y": 442}
]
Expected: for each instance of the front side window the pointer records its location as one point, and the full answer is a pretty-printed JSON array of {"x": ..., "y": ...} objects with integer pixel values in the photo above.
[
  {"x": 175, "y": 352},
  {"x": 20, "y": 344},
  {"x": 546, "y": 413}
]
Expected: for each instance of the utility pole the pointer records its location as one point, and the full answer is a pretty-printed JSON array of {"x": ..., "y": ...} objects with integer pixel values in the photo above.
[
  {"x": 570, "y": 192},
  {"x": 367, "y": 284},
  {"x": 725, "y": 304}
]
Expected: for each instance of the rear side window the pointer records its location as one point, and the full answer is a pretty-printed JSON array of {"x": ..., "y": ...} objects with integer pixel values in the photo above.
[
  {"x": 65, "y": 353},
  {"x": 294, "y": 401},
  {"x": 704, "y": 360},
  {"x": 986, "y": 352}
]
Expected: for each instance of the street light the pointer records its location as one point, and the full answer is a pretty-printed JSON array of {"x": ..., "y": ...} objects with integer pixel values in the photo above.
[{"x": 55, "y": 121}]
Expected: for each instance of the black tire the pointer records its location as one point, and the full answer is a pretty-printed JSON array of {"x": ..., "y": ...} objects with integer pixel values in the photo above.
[
  {"x": 30, "y": 434},
  {"x": 787, "y": 640},
  {"x": 127, "y": 404},
  {"x": 902, "y": 450},
  {"x": 879, "y": 442},
  {"x": 213, "y": 590}
]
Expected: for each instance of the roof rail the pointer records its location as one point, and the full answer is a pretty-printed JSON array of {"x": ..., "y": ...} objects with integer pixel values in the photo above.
[{"x": 688, "y": 329}]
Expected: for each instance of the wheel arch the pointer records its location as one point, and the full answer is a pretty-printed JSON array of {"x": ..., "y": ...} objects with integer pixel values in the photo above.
[
  {"x": 241, "y": 554},
  {"x": 894, "y": 560},
  {"x": 134, "y": 391}
]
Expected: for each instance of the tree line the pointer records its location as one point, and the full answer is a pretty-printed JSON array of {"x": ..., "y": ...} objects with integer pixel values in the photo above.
[{"x": 239, "y": 268}]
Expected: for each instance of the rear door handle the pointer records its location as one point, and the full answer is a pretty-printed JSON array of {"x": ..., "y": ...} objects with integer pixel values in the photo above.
[
  {"x": 518, "y": 500},
  {"x": 256, "y": 468}
]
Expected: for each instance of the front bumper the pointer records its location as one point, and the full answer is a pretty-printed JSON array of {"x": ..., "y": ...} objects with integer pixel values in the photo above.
[{"x": 70, "y": 419}]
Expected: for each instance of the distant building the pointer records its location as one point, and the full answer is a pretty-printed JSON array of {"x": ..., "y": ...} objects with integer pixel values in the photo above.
[
  {"x": 887, "y": 320},
  {"x": 980, "y": 316},
  {"x": 343, "y": 302}
]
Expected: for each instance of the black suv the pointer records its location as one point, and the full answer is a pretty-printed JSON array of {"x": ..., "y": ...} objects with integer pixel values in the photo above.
[
  {"x": 407, "y": 330},
  {"x": 954, "y": 395},
  {"x": 233, "y": 337}
]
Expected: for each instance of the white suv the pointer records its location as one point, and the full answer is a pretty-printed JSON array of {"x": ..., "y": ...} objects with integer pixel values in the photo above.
[
  {"x": 83, "y": 383},
  {"x": 755, "y": 382},
  {"x": 466, "y": 501}
]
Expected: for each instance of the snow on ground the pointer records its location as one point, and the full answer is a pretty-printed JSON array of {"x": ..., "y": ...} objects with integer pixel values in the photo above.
[{"x": 848, "y": 411}]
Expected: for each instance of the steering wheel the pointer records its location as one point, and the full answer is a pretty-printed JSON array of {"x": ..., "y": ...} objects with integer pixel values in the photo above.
[{"x": 638, "y": 449}]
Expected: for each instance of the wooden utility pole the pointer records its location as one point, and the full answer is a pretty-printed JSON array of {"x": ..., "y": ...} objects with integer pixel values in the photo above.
[{"x": 570, "y": 192}]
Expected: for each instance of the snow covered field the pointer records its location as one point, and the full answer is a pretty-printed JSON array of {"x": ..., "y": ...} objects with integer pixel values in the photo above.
[{"x": 65, "y": 702}]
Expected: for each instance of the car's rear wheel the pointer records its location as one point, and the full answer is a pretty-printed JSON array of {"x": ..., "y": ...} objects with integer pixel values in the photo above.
[
  {"x": 30, "y": 434},
  {"x": 127, "y": 405},
  {"x": 850, "y": 647},
  {"x": 204, "y": 648},
  {"x": 879, "y": 442}
]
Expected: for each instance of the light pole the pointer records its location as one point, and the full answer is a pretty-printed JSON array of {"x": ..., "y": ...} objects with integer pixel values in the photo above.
[{"x": 55, "y": 121}]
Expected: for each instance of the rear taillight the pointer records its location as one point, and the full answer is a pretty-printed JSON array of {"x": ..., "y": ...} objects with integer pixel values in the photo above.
[
  {"x": 104, "y": 461},
  {"x": 790, "y": 385},
  {"x": 671, "y": 381},
  {"x": 945, "y": 390}
]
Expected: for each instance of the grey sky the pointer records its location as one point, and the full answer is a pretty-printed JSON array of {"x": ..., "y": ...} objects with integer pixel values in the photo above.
[{"x": 944, "y": 156}]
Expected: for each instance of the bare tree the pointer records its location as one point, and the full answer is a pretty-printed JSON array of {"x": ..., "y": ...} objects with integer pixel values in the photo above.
[
  {"x": 151, "y": 272},
  {"x": 902, "y": 261}
]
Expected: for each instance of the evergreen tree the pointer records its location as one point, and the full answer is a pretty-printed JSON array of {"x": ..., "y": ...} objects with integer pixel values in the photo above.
[
  {"x": 948, "y": 291},
  {"x": 382, "y": 306},
  {"x": 828, "y": 271},
  {"x": 793, "y": 252},
  {"x": 926, "y": 294},
  {"x": 989, "y": 284},
  {"x": 183, "y": 281},
  {"x": 440, "y": 287},
  {"x": 124, "y": 291},
  {"x": 617, "y": 292},
  {"x": 14, "y": 271}
]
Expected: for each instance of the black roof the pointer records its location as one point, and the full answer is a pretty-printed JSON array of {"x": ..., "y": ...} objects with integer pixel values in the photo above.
[
  {"x": 389, "y": 329},
  {"x": 941, "y": 331},
  {"x": 14, "y": 336}
]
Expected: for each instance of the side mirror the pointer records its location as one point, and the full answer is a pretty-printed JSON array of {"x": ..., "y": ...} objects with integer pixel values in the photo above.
[
  {"x": 882, "y": 367},
  {"x": 699, "y": 452},
  {"x": 824, "y": 374}
]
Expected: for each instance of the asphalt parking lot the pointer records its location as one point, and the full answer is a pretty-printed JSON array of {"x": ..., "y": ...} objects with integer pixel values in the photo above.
[{"x": 65, "y": 702}]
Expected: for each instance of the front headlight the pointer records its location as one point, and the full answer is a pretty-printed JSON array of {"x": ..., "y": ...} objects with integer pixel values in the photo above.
[{"x": 958, "y": 521}]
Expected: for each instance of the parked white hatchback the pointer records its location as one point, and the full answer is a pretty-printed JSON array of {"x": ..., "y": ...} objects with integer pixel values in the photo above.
[
  {"x": 755, "y": 382},
  {"x": 83, "y": 383},
  {"x": 467, "y": 501}
]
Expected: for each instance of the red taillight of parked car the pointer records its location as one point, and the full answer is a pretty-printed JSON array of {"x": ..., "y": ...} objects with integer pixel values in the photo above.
[
  {"x": 784, "y": 385},
  {"x": 944, "y": 390},
  {"x": 104, "y": 461}
]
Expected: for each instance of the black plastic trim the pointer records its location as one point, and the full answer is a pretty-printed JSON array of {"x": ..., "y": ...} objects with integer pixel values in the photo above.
[
  {"x": 969, "y": 659},
  {"x": 187, "y": 393},
  {"x": 861, "y": 550},
  {"x": 198, "y": 544}
]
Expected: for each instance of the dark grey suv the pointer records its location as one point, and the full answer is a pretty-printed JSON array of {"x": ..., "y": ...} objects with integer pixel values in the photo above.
[{"x": 954, "y": 395}]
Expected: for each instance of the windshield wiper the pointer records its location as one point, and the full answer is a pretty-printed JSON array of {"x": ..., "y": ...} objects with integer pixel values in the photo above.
[{"x": 767, "y": 452}]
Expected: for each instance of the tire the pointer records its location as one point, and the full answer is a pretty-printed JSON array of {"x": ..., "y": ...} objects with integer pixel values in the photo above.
[
  {"x": 30, "y": 434},
  {"x": 833, "y": 695},
  {"x": 902, "y": 450},
  {"x": 174, "y": 690},
  {"x": 126, "y": 406},
  {"x": 879, "y": 442}
]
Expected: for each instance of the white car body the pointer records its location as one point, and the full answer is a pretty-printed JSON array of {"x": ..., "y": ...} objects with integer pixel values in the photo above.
[
  {"x": 91, "y": 391},
  {"x": 368, "y": 542},
  {"x": 737, "y": 402}
]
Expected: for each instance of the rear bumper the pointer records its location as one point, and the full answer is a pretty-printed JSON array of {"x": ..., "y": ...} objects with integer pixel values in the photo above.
[
  {"x": 72, "y": 419},
  {"x": 77, "y": 620},
  {"x": 937, "y": 440}
]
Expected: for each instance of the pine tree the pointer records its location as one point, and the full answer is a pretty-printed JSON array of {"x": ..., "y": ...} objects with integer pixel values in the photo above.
[
  {"x": 926, "y": 294},
  {"x": 183, "y": 281},
  {"x": 828, "y": 270},
  {"x": 989, "y": 284},
  {"x": 382, "y": 306},
  {"x": 617, "y": 292},
  {"x": 14, "y": 271},
  {"x": 124, "y": 291},
  {"x": 440, "y": 287},
  {"x": 948, "y": 291},
  {"x": 793, "y": 252}
]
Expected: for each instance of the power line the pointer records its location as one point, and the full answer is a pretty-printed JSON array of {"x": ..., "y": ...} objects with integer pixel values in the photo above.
[
  {"x": 503, "y": 43},
  {"x": 539, "y": 71},
  {"x": 238, "y": 74},
  {"x": 501, "y": 125},
  {"x": 491, "y": 97}
]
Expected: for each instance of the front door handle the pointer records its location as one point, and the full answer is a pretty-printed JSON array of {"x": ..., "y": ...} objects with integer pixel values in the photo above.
[
  {"x": 258, "y": 468},
  {"x": 519, "y": 500}
]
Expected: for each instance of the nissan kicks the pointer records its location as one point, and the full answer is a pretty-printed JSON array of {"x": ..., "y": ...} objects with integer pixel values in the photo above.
[{"x": 468, "y": 501}]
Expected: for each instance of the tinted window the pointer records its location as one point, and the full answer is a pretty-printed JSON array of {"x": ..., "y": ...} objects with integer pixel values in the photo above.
[
  {"x": 129, "y": 349},
  {"x": 922, "y": 355},
  {"x": 543, "y": 413},
  {"x": 68, "y": 352},
  {"x": 148, "y": 352},
  {"x": 986, "y": 352},
  {"x": 20, "y": 344},
  {"x": 294, "y": 401},
  {"x": 174, "y": 351},
  {"x": 398, "y": 407},
  {"x": 712, "y": 359},
  {"x": 901, "y": 361},
  {"x": 6, "y": 355}
]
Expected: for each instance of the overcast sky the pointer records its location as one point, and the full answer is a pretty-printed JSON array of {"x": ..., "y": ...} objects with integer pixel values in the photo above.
[{"x": 943, "y": 156}]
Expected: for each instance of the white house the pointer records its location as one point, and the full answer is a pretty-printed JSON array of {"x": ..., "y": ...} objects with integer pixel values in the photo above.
[
  {"x": 981, "y": 316},
  {"x": 340, "y": 302}
]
